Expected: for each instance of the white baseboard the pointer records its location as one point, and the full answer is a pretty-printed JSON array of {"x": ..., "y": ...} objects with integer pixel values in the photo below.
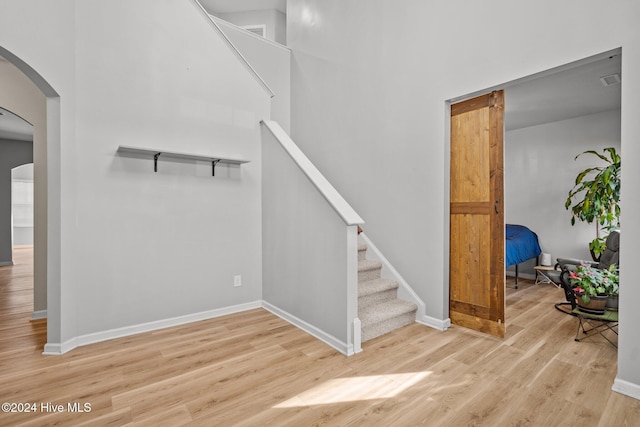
[
  {"x": 40, "y": 314},
  {"x": 441, "y": 325},
  {"x": 330, "y": 340},
  {"x": 57, "y": 349},
  {"x": 626, "y": 388},
  {"x": 61, "y": 348}
]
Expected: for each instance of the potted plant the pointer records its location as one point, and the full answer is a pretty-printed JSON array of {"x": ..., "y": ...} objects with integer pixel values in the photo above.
[
  {"x": 597, "y": 190},
  {"x": 612, "y": 286},
  {"x": 594, "y": 286}
]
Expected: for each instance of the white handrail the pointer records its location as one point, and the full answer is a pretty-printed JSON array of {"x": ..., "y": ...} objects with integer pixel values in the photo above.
[
  {"x": 339, "y": 204},
  {"x": 236, "y": 52}
]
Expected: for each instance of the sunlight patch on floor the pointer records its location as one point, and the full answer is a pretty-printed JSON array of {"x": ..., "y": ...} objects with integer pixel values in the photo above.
[{"x": 355, "y": 388}]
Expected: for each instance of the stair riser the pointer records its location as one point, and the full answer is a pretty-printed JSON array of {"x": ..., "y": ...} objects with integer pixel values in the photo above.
[
  {"x": 377, "y": 329},
  {"x": 366, "y": 275},
  {"x": 362, "y": 255},
  {"x": 373, "y": 299}
]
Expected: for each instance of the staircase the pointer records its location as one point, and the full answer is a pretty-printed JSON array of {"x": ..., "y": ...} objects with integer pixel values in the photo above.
[{"x": 379, "y": 309}]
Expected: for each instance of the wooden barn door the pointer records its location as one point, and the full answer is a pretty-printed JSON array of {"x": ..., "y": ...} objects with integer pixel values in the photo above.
[{"x": 476, "y": 266}]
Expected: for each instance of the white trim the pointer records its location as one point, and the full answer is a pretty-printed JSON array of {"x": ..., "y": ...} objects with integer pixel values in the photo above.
[
  {"x": 39, "y": 314},
  {"x": 55, "y": 349},
  {"x": 330, "y": 340},
  {"x": 405, "y": 291},
  {"x": 357, "y": 335},
  {"x": 627, "y": 388},
  {"x": 58, "y": 349},
  {"x": 223, "y": 23},
  {"x": 6, "y": 263},
  {"x": 234, "y": 49},
  {"x": 339, "y": 204},
  {"x": 432, "y": 322}
]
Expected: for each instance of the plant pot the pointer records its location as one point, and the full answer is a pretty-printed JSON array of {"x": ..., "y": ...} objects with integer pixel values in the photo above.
[
  {"x": 612, "y": 303},
  {"x": 594, "y": 306}
]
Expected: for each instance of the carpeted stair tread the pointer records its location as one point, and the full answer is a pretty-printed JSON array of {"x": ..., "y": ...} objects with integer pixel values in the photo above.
[
  {"x": 386, "y": 310},
  {"x": 362, "y": 251},
  {"x": 379, "y": 308},
  {"x": 368, "y": 265},
  {"x": 374, "y": 286},
  {"x": 368, "y": 269}
]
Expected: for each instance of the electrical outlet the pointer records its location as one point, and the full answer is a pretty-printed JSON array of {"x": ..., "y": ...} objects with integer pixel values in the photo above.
[{"x": 237, "y": 280}]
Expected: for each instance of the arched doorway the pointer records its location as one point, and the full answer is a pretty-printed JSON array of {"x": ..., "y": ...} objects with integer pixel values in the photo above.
[{"x": 27, "y": 94}]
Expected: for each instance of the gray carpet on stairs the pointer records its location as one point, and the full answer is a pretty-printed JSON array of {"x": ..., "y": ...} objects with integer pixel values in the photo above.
[{"x": 379, "y": 308}]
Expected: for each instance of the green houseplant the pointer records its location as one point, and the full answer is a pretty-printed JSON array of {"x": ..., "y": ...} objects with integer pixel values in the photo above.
[
  {"x": 591, "y": 282},
  {"x": 597, "y": 191}
]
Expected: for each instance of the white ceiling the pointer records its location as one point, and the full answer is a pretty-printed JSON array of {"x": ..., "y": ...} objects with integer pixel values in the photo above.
[
  {"x": 229, "y": 6},
  {"x": 574, "y": 90},
  {"x": 14, "y": 128}
]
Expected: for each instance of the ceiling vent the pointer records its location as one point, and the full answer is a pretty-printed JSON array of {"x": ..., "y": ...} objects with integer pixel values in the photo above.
[{"x": 612, "y": 79}]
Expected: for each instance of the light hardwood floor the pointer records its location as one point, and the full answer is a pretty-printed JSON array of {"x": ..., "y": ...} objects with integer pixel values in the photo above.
[{"x": 254, "y": 369}]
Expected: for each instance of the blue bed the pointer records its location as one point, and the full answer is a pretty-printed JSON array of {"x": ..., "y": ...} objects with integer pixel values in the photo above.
[{"x": 521, "y": 244}]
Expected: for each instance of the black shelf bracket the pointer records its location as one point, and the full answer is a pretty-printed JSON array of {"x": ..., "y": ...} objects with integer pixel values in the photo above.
[
  {"x": 155, "y": 161},
  {"x": 155, "y": 153}
]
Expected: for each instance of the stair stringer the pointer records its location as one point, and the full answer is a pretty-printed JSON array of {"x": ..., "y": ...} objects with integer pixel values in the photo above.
[{"x": 405, "y": 291}]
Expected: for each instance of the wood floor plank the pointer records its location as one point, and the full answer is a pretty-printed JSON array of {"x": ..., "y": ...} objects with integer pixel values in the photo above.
[{"x": 254, "y": 369}]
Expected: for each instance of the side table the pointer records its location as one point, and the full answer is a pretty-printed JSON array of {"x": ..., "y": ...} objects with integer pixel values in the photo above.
[{"x": 542, "y": 276}]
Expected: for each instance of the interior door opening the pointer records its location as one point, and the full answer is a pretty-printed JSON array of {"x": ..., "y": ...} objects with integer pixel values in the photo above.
[{"x": 549, "y": 118}]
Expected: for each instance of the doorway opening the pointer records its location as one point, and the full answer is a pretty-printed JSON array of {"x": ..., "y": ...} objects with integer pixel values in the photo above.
[
  {"x": 17, "y": 296},
  {"x": 550, "y": 117},
  {"x": 28, "y": 95}
]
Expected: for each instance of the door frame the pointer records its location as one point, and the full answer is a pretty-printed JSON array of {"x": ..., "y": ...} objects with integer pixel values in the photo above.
[{"x": 447, "y": 155}]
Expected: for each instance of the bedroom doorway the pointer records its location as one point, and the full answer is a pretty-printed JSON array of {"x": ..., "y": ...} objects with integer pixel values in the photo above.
[
  {"x": 549, "y": 117},
  {"x": 476, "y": 242}
]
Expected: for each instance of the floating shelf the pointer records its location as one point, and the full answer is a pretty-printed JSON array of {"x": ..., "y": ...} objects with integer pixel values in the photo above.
[{"x": 156, "y": 154}]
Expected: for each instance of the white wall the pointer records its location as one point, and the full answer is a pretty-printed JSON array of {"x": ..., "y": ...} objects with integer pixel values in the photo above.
[
  {"x": 369, "y": 107},
  {"x": 139, "y": 246},
  {"x": 275, "y": 21},
  {"x": 540, "y": 170},
  {"x": 169, "y": 243},
  {"x": 272, "y": 62},
  {"x": 305, "y": 247},
  {"x": 22, "y": 97}
]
